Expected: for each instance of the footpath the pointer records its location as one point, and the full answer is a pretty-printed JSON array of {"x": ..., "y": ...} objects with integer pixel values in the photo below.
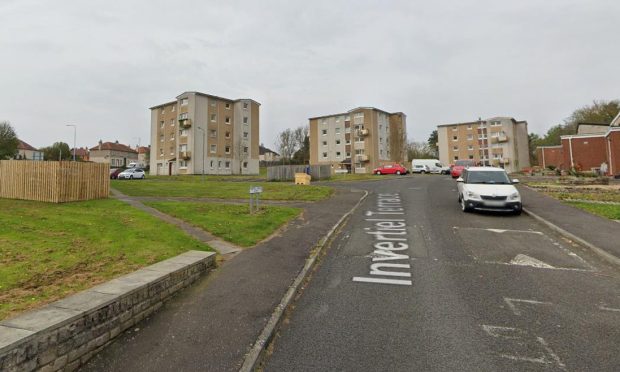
[
  {"x": 215, "y": 323},
  {"x": 597, "y": 233}
]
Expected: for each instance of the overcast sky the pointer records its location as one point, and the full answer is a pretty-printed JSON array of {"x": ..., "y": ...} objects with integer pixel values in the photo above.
[{"x": 100, "y": 64}]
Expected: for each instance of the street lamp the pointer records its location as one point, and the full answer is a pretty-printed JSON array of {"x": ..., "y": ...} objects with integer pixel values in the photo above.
[
  {"x": 203, "y": 152},
  {"x": 74, "y": 133}
]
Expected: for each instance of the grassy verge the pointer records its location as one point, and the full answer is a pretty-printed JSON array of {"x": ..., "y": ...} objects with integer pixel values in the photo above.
[
  {"x": 48, "y": 251},
  {"x": 594, "y": 196},
  {"x": 611, "y": 211},
  {"x": 358, "y": 177},
  {"x": 230, "y": 222},
  {"x": 194, "y": 187}
]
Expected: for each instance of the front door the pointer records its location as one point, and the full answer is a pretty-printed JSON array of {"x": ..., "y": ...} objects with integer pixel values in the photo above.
[{"x": 170, "y": 168}]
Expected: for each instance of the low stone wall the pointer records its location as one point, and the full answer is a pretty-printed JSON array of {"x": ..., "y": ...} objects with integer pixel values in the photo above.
[{"x": 67, "y": 333}]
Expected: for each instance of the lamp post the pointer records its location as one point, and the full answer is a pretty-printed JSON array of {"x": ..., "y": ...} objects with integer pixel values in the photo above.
[
  {"x": 74, "y": 135},
  {"x": 203, "y": 152}
]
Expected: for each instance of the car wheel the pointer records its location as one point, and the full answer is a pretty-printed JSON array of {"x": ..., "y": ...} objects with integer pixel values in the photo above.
[
  {"x": 398, "y": 173},
  {"x": 518, "y": 211},
  {"x": 422, "y": 172},
  {"x": 378, "y": 173},
  {"x": 464, "y": 206},
  {"x": 131, "y": 177}
]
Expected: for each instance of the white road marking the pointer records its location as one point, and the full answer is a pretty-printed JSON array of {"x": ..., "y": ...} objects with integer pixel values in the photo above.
[
  {"x": 415, "y": 188},
  {"x": 500, "y": 231},
  {"x": 511, "y": 304},
  {"x": 520, "y": 337},
  {"x": 525, "y": 260},
  {"x": 605, "y": 308},
  {"x": 381, "y": 280}
]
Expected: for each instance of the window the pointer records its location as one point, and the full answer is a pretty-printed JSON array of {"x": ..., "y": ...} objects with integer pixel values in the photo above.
[
  {"x": 183, "y": 164},
  {"x": 347, "y": 118},
  {"x": 183, "y": 116},
  {"x": 172, "y": 109},
  {"x": 227, "y": 106},
  {"x": 161, "y": 124},
  {"x": 469, "y": 127},
  {"x": 348, "y": 142},
  {"x": 213, "y": 117},
  {"x": 245, "y": 134},
  {"x": 470, "y": 147},
  {"x": 455, "y": 138},
  {"x": 456, "y": 157},
  {"x": 219, "y": 164},
  {"x": 245, "y": 149},
  {"x": 337, "y": 154},
  {"x": 183, "y": 133},
  {"x": 211, "y": 164},
  {"x": 184, "y": 101},
  {"x": 227, "y": 149},
  {"x": 245, "y": 105},
  {"x": 163, "y": 110},
  {"x": 171, "y": 150},
  {"x": 227, "y": 120},
  {"x": 324, "y": 143},
  {"x": 245, "y": 164},
  {"x": 227, "y": 135},
  {"x": 172, "y": 137},
  {"x": 470, "y": 137},
  {"x": 324, "y": 132},
  {"x": 337, "y": 142},
  {"x": 213, "y": 148},
  {"x": 227, "y": 165},
  {"x": 324, "y": 121},
  {"x": 161, "y": 152},
  {"x": 455, "y": 148},
  {"x": 213, "y": 103},
  {"x": 348, "y": 154},
  {"x": 324, "y": 154},
  {"x": 337, "y": 119},
  {"x": 212, "y": 133},
  {"x": 454, "y": 128},
  {"x": 161, "y": 138},
  {"x": 245, "y": 120},
  {"x": 172, "y": 122},
  {"x": 337, "y": 130},
  {"x": 471, "y": 156}
]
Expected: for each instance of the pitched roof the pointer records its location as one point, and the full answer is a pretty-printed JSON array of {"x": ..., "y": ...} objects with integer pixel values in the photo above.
[
  {"x": 262, "y": 150},
  {"x": 80, "y": 151},
  {"x": 24, "y": 146},
  {"x": 113, "y": 146},
  {"x": 143, "y": 150}
]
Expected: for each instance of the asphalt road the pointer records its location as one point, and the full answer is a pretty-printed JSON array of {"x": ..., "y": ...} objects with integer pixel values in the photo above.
[{"x": 460, "y": 292}]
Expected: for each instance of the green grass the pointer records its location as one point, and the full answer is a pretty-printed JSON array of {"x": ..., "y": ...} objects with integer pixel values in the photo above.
[
  {"x": 231, "y": 222},
  {"x": 48, "y": 251},
  {"x": 611, "y": 211},
  {"x": 612, "y": 196},
  {"x": 194, "y": 187}
]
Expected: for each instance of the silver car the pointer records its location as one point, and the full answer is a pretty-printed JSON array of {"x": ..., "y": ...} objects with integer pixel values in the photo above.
[{"x": 131, "y": 173}]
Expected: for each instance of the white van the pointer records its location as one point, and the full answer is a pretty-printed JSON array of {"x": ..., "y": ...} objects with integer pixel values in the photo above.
[{"x": 428, "y": 165}]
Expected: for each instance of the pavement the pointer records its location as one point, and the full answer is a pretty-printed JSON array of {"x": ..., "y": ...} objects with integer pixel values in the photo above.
[
  {"x": 214, "y": 324},
  {"x": 599, "y": 234}
]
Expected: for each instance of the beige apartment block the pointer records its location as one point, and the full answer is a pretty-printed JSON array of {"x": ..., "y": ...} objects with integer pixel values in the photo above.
[
  {"x": 498, "y": 141},
  {"x": 359, "y": 140},
  {"x": 200, "y": 132}
]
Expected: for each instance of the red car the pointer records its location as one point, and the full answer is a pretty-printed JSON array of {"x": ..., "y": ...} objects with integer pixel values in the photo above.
[
  {"x": 457, "y": 168},
  {"x": 391, "y": 169}
]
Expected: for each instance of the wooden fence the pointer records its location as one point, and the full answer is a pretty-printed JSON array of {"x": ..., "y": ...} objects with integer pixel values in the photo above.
[
  {"x": 53, "y": 181},
  {"x": 287, "y": 172}
]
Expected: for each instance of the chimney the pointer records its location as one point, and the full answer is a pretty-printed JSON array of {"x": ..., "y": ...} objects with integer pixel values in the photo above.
[{"x": 100, "y": 143}]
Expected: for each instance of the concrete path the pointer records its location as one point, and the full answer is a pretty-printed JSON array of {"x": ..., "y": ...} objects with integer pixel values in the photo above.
[
  {"x": 212, "y": 325},
  {"x": 222, "y": 247}
]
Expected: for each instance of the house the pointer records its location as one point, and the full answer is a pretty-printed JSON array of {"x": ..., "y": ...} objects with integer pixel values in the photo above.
[
  {"x": 267, "y": 155},
  {"x": 27, "y": 152},
  {"x": 498, "y": 141},
  {"x": 201, "y": 133},
  {"x": 114, "y": 153},
  {"x": 81, "y": 153},
  {"x": 593, "y": 145},
  {"x": 143, "y": 156},
  {"x": 358, "y": 140}
]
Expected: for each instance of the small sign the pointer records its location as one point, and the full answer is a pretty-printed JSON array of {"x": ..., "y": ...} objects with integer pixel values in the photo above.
[{"x": 256, "y": 190}]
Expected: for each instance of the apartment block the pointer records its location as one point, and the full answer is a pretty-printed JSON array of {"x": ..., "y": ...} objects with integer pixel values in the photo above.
[
  {"x": 358, "y": 140},
  {"x": 200, "y": 132},
  {"x": 498, "y": 141}
]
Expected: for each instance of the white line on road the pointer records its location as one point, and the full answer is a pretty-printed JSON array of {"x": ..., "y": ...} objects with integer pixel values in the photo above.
[
  {"x": 500, "y": 231},
  {"x": 605, "y": 308},
  {"x": 525, "y": 260},
  {"x": 511, "y": 304},
  {"x": 381, "y": 280}
]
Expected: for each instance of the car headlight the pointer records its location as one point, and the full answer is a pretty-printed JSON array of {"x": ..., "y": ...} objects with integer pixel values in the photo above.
[
  {"x": 514, "y": 196},
  {"x": 472, "y": 195}
]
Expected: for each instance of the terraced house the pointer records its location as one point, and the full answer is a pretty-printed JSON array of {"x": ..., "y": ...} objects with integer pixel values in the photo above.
[
  {"x": 199, "y": 132},
  {"x": 359, "y": 140},
  {"x": 498, "y": 141}
]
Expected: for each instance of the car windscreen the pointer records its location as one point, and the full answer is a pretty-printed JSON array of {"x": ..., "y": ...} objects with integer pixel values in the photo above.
[{"x": 488, "y": 177}]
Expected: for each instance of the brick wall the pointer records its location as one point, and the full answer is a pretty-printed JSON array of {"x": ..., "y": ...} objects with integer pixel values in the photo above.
[
  {"x": 614, "y": 147},
  {"x": 552, "y": 156},
  {"x": 588, "y": 152},
  {"x": 65, "y": 334}
]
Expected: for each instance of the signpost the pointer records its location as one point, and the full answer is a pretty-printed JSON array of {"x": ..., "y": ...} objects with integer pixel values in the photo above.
[{"x": 255, "y": 192}]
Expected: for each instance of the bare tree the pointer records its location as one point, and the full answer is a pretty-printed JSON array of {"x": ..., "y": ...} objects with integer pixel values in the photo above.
[{"x": 285, "y": 143}]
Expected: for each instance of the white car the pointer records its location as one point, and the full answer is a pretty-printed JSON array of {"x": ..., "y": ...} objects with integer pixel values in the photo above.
[
  {"x": 131, "y": 173},
  {"x": 488, "y": 189}
]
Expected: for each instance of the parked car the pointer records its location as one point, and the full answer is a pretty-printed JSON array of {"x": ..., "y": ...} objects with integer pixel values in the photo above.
[
  {"x": 420, "y": 168},
  {"x": 433, "y": 165},
  {"x": 489, "y": 189},
  {"x": 131, "y": 173},
  {"x": 114, "y": 173},
  {"x": 391, "y": 169},
  {"x": 459, "y": 165}
]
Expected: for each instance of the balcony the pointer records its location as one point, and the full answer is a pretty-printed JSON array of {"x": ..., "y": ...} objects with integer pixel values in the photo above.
[
  {"x": 362, "y": 158},
  {"x": 362, "y": 132},
  {"x": 504, "y": 160},
  {"x": 500, "y": 138},
  {"x": 185, "y": 123},
  {"x": 185, "y": 155}
]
